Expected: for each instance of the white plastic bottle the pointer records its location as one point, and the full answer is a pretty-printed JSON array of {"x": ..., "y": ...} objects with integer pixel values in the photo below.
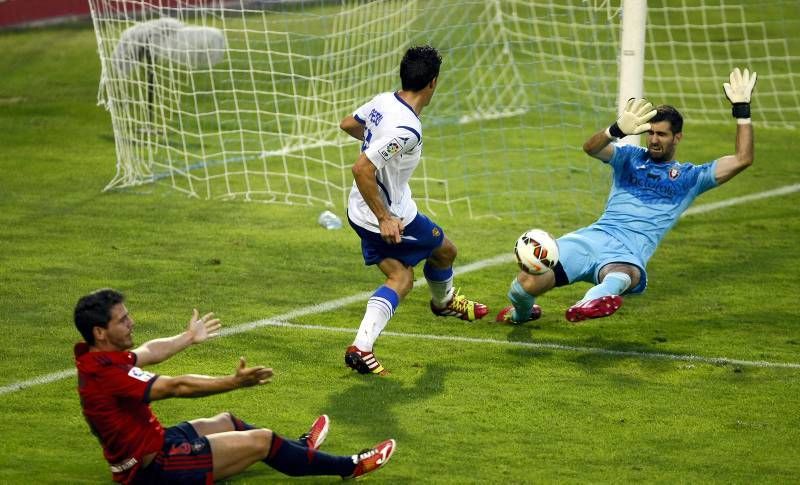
[{"x": 329, "y": 220}]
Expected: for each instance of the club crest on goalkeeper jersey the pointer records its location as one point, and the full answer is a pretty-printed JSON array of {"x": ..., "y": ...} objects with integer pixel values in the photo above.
[
  {"x": 648, "y": 197},
  {"x": 393, "y": 143}
]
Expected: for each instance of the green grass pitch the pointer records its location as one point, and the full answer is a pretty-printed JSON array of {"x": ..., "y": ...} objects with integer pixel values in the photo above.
[{"x": 467, "y": 403}]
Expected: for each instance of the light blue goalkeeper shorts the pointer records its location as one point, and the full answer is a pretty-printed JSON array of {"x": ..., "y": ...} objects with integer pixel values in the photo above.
[{"x": 583, "y": 253}]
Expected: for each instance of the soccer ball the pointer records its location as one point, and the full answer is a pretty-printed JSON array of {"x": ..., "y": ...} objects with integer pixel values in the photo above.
[{"x": 536, "y": 251}]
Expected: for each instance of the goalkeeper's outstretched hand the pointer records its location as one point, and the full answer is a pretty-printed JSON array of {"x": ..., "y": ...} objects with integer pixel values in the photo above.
[
  {"x": 634, "y": 118},
  {"x": 738, "y": 91}
]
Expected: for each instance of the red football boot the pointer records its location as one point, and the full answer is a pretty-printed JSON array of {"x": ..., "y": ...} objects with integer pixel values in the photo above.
[
  {"x": 597, "y": 308},
  {"x": 507, "y": 313},
  {"x": 370, "y": 460},
  {"x": 363, "y": 361},
  {"x": 317, "y": 433}
]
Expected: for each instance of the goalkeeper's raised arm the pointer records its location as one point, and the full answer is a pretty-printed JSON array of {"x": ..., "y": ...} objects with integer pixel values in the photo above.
[
  {"x": 738, "y": 92},
  {"x": 634, "y": 120}
]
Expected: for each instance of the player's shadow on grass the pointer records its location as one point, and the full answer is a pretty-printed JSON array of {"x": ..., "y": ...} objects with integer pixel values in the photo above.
[
  {"x": 368, "y": 404},
  {"x": 523, "y": 332}
]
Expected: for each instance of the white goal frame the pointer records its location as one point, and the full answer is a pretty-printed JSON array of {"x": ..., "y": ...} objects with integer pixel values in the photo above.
[{"x": 241, "y": 99}]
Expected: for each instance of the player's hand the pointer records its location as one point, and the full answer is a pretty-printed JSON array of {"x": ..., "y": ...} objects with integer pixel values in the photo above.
[
  {"x": 391, "y": 230},
  {"x": 203, "y": 328},
  {"x": 634, "y": 118},
  {"x": 738, "y": 91},
  {"x": 741, "y": 85},
  {"x": 251, "y": 376}
]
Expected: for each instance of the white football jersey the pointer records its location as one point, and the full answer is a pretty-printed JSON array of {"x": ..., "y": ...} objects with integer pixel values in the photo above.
[{"x": 393, "y": 143}]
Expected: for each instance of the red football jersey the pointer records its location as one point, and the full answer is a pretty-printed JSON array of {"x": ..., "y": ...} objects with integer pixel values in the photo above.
[{"x": 115, "y": 397}]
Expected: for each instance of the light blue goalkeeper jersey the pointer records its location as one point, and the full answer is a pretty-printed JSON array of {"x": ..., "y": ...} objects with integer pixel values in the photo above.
[{"x": 647, "y": 197}]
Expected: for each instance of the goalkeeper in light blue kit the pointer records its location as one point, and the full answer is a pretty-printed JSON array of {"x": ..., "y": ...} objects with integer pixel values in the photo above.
[{"x": 650, "y": 191}]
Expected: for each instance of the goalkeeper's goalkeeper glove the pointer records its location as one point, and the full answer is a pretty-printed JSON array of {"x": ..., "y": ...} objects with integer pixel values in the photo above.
[
  {"x": 634, "y": 118},
  {"x": 739, "y": 90}
]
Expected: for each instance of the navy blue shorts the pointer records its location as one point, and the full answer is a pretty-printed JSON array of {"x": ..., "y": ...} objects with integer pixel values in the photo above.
[
  {"x": 419, "y": 240},
  {"x": 184, "y": 458}
]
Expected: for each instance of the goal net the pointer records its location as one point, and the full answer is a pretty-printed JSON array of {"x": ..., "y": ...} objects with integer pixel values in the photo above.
[{"x": 242, "y": 99}]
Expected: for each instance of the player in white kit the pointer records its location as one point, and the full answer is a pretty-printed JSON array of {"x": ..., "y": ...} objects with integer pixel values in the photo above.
[{"x": 394, "y": 234}]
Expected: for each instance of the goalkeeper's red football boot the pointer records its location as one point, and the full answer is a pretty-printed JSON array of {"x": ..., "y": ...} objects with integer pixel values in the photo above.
[
  {"x": 370, "y": 460},
  {"x": 362, "y": 361},
  {"x": 506, "y": 315},
  {"x": 462, "y": 308},
  {"x": 317, "y": 433},
  {"x": 597, "y": 308}
]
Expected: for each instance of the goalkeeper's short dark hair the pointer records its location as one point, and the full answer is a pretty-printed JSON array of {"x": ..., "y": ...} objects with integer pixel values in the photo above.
[
  {"x": 420, "y": 65},
  {"x": 94, "y": 310},
  {"x": 666, "y": 112}
]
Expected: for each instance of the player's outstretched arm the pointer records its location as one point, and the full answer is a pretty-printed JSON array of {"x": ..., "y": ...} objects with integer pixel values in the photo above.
[
  {"x": 634, "y": 120},
  {"x": 191, "y": 385},
  {"x": 198, "y": 330},
  {"x": 738, "y": 91}
]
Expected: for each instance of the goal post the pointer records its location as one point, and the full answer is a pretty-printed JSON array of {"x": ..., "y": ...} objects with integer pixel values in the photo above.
[
  {"x": 631, "y": 56},
  {"x": 241, "y": 99}
]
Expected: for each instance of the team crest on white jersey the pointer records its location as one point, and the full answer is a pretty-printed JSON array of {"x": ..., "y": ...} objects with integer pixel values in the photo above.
[{"x": 391, "y": 149}]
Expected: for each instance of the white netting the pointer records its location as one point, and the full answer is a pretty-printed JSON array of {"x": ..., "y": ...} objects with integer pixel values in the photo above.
[
  {"x": 693, "y": 45},
  {"x": 243, "y": 99}
]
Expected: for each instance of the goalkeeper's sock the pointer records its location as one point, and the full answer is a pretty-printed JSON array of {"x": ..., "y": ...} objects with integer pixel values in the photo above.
[
  {"x": 440, "y": 282},
  {"x": 380, "y": 308},
  {"x": 292, "y": 459},
  {"x": 613, "y": 284},
  {"x": 522, "y": 301}
]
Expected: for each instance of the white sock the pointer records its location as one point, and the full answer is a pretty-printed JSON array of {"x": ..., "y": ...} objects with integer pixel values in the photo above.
[
  {"x": 440, "y": 282},
  {"x": 380, "y": 308},
  {"x": 613, "y": 284},
  {"x": 441, "y": 298}
]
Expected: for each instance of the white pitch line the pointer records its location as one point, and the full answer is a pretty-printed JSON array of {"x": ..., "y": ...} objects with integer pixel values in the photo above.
[
  {"x": 703, "y": 208},
  {"x": 45, "y": 379},
  {"x": 348, "y": 300},
  {"x": 550, "y": 346},
  {"x": 280, "y": 320}
]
